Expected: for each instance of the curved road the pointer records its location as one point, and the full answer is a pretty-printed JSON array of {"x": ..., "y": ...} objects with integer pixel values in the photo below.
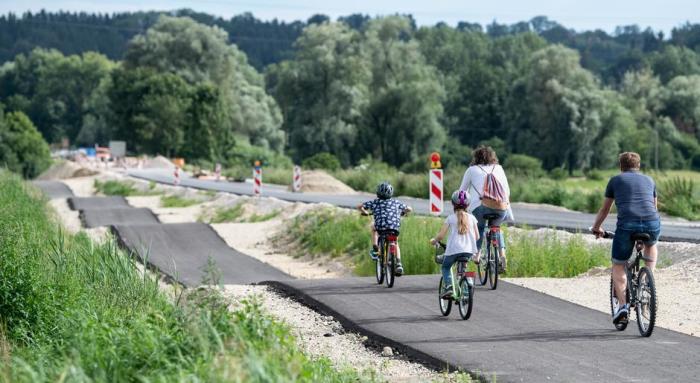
[{"x": 524, "y": 215}]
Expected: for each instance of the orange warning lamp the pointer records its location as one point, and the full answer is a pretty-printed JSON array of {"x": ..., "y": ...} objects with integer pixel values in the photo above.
[
  {"x": 435, "y": 161},
  {"x": 257, "y": 164}
]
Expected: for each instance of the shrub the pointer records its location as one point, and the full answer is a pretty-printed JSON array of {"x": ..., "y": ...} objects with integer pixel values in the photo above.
[
  {"x": 677, "y": 197},
  {"x": 524, "y": 165},
  {"x": 322, "y": 160},
  {"x": 595, "y": 175},
  {"x": 558, "y": 174},
  {"x": 115, "y": 188},
  {"x": 22, "y": 148}
]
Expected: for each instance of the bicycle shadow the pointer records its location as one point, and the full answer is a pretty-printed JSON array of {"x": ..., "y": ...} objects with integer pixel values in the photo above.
[{"x": 587, "y": 335}]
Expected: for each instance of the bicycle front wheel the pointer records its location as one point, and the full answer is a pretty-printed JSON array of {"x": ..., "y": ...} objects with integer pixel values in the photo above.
[
  {"x": 493, "y": 266},
  {"x": 445, "y": 304},
  {"x": 466, "y": 299},
  {"x": 646, "y": 302}
]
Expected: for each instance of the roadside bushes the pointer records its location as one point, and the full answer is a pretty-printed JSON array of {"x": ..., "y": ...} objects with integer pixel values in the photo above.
[
  {"x": 524, "y": 165},
  {"x": 339, "y": 233},
  {"x": 550, "y": 192},
  {"x": 22, "y": 148},
  {"x": 323, "y": 160},
  {"x": 677, "y": 197}
]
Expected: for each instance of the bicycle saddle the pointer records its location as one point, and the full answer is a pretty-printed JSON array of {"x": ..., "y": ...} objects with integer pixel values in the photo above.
[
  {"x": 644, "y": 237},
  {"x": 491, "y": 216}
]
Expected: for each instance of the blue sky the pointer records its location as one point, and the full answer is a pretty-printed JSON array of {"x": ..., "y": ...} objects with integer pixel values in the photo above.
[{"x": 580, "y": 15}]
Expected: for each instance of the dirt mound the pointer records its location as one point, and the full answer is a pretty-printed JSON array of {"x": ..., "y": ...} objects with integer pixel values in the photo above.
[
  {"x": 65, "y": 170},
  {"x": 158, "y": 162},
  {"x": 318, "y": 181}
]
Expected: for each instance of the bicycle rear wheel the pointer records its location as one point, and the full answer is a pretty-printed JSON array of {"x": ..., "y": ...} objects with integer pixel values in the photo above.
[
  {"x": 614, "y": 304},
  {"x": 379, "y": 265},
  {"x": 493, "y": 266},
  {"x": 646, "y": 302},
  {"x": 445, "y": 304},
  {"x": 466, "y": 299},
  {"x": 390, "y": 270}
]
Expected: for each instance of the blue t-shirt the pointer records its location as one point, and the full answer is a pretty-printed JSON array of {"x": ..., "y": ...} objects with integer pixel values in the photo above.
[
  {"x": 634, "y": 195},
  {"x": 387, "y": 213}
]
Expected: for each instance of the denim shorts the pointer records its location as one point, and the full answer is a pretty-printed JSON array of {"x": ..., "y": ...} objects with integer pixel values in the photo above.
[{"x": 622, "y": 243}]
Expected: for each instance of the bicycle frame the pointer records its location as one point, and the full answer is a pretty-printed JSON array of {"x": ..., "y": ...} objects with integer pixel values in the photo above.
[{"x": 461, "y": 273}]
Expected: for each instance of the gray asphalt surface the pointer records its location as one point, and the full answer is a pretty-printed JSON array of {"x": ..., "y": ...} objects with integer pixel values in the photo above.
[
  {"x": 54, "y": 189},
  {"x": 524, "y": 215},
  {"x": 183, "y": 250},
  {"x": 120, "y": 216},
  {"x": 97, "y": 203},
  {"x": 516, "y": 334}
]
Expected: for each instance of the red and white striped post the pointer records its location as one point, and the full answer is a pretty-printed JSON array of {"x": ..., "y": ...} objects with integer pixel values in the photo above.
[
  {"x": 296, "y": 181},
  {"x": 176, "y": 174},
  {"x": 435, "y": 176},
  {"x": 217, "y": 171},
  {"x": 257, "y": 179}
]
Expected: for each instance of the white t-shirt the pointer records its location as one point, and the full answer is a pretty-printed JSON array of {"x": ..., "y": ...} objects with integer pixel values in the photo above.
[
  {"x": 473, "y": 182},
  {"x": 461, "y": 243}
]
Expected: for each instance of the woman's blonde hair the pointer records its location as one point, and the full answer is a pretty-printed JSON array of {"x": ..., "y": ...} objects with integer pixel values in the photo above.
[{"x": 462, "y": 221}]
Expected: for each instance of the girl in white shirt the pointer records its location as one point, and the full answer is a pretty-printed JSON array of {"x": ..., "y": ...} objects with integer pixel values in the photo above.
[{"x": 461, "y": 244}]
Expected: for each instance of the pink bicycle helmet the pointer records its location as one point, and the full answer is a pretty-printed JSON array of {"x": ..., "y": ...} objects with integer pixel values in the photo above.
[{"x": 460, "y": 199}]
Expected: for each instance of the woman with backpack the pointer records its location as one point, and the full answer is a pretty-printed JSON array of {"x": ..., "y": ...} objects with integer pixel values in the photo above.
[{"x": 489, "y": 193}]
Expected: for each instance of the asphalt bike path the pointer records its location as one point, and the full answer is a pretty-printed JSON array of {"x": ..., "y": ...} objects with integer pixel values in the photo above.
[
  {"x": 530, "y": 216},
  {"x": 513, "y": 333},
  {"x": 54, "y": 189},
  {"x": 193, "y": 254}
]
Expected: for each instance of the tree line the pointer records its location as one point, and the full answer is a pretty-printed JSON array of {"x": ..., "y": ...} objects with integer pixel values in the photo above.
[{"x": 376, "y": 87}]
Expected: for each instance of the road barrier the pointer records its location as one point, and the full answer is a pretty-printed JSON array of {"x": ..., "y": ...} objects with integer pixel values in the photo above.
[
  {"x": 435, "y": 177},
  {"x": 217, "y": 171},
  {"x": 296, "y": 181},
  {"x": 257, "y": 179},
  {"x": 176, "y": 174}
]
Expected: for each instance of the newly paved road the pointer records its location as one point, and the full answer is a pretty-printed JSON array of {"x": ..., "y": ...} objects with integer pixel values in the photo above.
[
  {"x": 97, "y": 203},
  {"x": 54, "y": 189},
  {"x": 524, "y": 215},
  {"x": 183, "y": 252},
  {"x": 121, "y": 216},
  {"x": 516, "y": 334}
]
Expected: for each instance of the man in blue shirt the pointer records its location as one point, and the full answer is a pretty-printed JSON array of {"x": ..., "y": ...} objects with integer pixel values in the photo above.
[{"x": 634, "y": 195}]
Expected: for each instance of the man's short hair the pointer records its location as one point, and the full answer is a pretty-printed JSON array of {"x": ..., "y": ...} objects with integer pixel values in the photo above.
[{"x": 629, "y": 161}]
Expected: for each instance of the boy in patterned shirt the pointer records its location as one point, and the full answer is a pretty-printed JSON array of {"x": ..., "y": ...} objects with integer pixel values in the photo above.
[{"x": 387, "y": 216}]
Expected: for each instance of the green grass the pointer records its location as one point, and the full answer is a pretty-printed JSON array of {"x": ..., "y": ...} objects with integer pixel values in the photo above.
[
  {"x": 177, "y": 201},
  {"x": 235, "y": 214},
  {"x": 337, "y": 233},
  {"x": 77, "y": 311},
  {"x": 123, "y": 188}
]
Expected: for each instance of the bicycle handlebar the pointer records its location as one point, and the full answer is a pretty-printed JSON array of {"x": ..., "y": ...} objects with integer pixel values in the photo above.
[{"x": 606, "y": 234}]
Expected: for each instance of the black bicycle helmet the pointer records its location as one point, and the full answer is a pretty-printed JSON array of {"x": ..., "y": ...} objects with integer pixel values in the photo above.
[
  {"x": 460, "y": 200},
  {"x": 385, "y": 190}
]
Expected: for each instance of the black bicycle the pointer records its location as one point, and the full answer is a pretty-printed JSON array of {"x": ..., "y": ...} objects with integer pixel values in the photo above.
[
  {"x": 641, "y": 290},
  {"x": 492, "y": 261}
]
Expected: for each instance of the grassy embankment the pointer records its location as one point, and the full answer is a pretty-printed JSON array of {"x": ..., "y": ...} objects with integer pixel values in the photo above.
[
  {"x": 73, "y": 310},
  {"x": 338, "y": 233}
]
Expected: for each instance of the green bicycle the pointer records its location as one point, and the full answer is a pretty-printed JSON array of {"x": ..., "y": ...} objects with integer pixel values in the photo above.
[{"x": 462, "y": 292}]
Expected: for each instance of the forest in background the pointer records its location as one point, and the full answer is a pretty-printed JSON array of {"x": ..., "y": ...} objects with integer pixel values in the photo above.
[{"x": 211, "y": 89}]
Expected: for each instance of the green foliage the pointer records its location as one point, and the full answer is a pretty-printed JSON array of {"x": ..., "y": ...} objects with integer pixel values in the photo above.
[
  {"x": 322, "y": 160},
  {"x": 231, "y": 214},
  {"x": 595, "y": 175},
  {"x": 177, "y": 201},
  {"x": 22, "y": 149},
  {"x": 123, "y": 188},
  {"x": 524, "y": 165},
  {"x": 79, "y": 311},
  {"x": 53, "y": 89},
  {"x": 677, "y": 196},
  {"x": 336, "y": 233},
  {"x": 558, "y": 174},
  {"x": 552, "y": 257}
]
